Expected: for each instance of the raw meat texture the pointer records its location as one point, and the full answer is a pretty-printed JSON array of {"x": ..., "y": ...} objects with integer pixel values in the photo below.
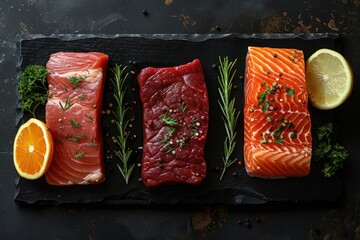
[
  {"x": 73, "y": 114},
  {"x": 175, "y": 124},
  {"x": 277, "y": 137}
]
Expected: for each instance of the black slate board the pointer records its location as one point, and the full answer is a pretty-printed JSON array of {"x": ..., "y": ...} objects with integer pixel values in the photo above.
[{"x": 171, "y": 50}]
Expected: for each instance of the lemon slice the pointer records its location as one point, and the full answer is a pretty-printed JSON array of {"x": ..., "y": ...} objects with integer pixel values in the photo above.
[{"x": 329, "y": 79}]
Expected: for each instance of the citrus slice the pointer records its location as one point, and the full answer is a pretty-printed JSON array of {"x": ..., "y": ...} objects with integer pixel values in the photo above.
[
  {"x": 329, "y": 79},
  {"x": 33, "y": 149}
]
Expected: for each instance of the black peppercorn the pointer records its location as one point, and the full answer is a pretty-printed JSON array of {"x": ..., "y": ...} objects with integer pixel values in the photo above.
[{"x": 145, "y": 13}]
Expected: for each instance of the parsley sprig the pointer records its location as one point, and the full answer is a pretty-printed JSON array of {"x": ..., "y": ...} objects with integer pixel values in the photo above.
[
  {"x": 230, "y": 114},
  {"x": 32, "y": 88},
  {"x": 333, "y": 155},
  {"x": 118, "y": 80}
]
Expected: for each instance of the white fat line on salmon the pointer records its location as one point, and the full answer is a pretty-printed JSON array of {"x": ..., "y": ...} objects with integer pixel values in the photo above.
[{"x": 92, "y": 75}]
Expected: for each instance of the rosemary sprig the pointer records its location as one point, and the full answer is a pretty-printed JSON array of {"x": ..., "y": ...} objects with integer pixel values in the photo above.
[
  {"x": 230, "y": 115},
  {"x": 118, "y": 80}
]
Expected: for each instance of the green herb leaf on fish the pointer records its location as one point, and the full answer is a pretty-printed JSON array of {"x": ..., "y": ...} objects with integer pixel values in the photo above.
[
  {"x": 290, "y": 92},
  {"x": 79, "y": 154},
  {"x": 74, "y": 124},
  {"x": 75, "y": 80}
]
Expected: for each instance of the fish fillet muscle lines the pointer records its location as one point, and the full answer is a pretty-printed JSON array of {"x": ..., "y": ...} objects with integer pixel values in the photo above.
[
  {"x": 277, "y": 137},
  {"x": 73, "y": 114},
  {"x": 175, "y": 122}
]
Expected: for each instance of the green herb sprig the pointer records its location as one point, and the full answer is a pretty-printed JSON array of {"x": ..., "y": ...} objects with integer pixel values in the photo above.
[
  {"x": 32, "y": 88},
  {"x": 75, "y": 80},
  {"x": 230, "y": 115},
  {"x": 118, "y": 80},
  {"x": 333, "y": 155}
]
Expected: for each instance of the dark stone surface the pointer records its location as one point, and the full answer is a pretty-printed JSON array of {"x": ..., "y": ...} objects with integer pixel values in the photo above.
[{"x": 339, "y": 220}]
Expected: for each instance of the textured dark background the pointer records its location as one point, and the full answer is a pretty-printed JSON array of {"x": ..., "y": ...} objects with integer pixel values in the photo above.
[{"x": 340, "y": 220}]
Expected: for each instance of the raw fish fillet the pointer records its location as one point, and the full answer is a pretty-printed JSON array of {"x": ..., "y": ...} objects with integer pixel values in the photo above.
[
  {"x": 73, "y": 113},
  {"x": 277, "y": 137},
  {"x": 175, "y": 120}
]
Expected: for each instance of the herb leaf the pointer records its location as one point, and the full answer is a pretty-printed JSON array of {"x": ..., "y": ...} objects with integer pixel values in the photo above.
[
  {"x": 75, "y": 80},
  {"x": 74, "y": 124},
  {"x": 333, "y": 155},
  {"x": 76, "y": 138},
  {"x": 230, "y": 114},
  {"x": 67, "y": 104},
  {"x": 169, "y": 120},
  {"x": 32, "y": 88},
  {"x": 79, "y": 154},
  {"x": 118, "y": 81},
  {"x": 290, "y": 91}
]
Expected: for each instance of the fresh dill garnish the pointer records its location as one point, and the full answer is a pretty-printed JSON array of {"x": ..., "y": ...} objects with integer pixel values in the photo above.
[
  {"x": 118, "y": 81},
  {"x": 67, "y": 104},
  {"x": 32, "y": 88},
  {"x": 230, "y": 115},
  {"x": 79, "y": 154},
  {"x": 333, "y": 155},
  {"x": 75, "y": 80},
  {"x": 74, "y": 124}
]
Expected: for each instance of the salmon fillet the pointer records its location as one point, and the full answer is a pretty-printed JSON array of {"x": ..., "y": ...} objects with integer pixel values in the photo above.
[
  {"x": 73, "y": 114},
  {"x": 277, "y": 126}
]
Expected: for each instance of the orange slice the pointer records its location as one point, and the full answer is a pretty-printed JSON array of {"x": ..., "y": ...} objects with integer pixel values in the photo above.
[{"x": 33, "y": 149}]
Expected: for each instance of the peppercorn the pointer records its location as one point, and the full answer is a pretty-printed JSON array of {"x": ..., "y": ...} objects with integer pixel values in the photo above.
[
  {"x": 214, "y": 66},
  {"x": 275, "y": 55},
  {"x": 217, "y": 28},
  {"x": 144, "y": 12}
]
